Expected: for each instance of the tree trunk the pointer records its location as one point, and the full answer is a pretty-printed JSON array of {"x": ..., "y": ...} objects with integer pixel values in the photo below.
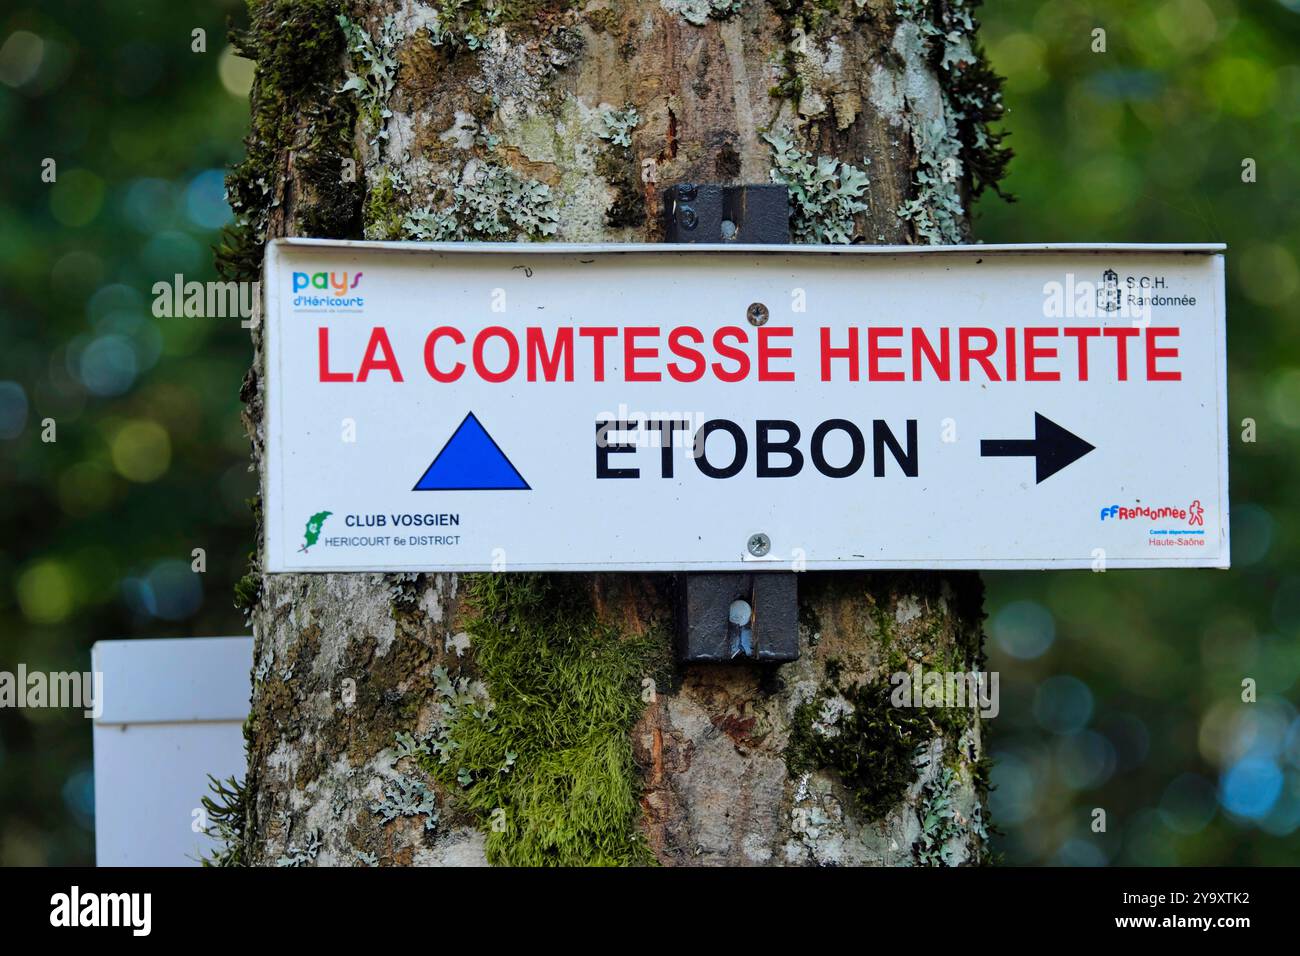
[{"x": 444, "y": 719}]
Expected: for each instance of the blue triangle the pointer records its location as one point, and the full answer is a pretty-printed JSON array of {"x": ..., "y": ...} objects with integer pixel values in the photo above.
[{"x": 471, "y": 461}]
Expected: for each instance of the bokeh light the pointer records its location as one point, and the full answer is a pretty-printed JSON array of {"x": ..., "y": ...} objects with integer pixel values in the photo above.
[
  {"x": 1063, "y": 704},
  {"x": 1023, "y": 629},
  {"x": 141, "y": 451},
  {"x": 13, "y": 409}
]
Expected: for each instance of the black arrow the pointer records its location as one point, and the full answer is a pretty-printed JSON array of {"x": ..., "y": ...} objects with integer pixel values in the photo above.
[{"x": 1052, "y": 448}]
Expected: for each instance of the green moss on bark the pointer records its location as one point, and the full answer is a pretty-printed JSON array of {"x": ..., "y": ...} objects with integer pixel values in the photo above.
[
  {"x": 616, "y": 164},
  {"x": 801, "y": 18},
  {"x": 384, "y": 210},
  {"x": 971, "y": 86},
  {"x": 248, "y": 589},
  {"x": 297, "y": 48},
  {"x": 546, "y": 764},
  {"x": 851, "y": 725},
  {"x": 858, "y": 733}
]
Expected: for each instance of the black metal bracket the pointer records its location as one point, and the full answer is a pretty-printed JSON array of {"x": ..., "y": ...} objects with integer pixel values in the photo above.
[
  {"x": 724, "y": 617},
  {"x": 708, "y": 212},
  {"x": 740, "y": 616}
]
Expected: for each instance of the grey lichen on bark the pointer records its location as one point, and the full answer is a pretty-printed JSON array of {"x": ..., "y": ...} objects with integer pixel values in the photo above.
[{"x": 564, "y": 121}]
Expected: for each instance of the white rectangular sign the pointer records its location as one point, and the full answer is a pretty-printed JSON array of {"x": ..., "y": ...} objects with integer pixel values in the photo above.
[{"x": 547, "y": 407}]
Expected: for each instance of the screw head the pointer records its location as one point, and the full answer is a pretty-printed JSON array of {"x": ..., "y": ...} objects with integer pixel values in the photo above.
[
  {"x": 740, "y": 613},
  {"x": 757, "y": 314},
  {"x": 688, "y": 217},
  {"x": 759, "y": 544},
  {"x": 686, "y": 191}
]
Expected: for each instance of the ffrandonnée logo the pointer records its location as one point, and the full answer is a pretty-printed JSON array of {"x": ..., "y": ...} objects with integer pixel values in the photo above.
[
  {"x": 1193, "y": 514},
  {"x": 327, "y": 292},
  {"x": 1158, "y": 519}
]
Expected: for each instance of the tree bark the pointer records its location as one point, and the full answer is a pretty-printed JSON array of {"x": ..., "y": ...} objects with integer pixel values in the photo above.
[{"x": 604, "y": 103}]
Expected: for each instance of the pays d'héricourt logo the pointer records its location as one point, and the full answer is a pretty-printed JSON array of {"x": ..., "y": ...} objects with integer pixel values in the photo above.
[{"x": 312, "y": 532}]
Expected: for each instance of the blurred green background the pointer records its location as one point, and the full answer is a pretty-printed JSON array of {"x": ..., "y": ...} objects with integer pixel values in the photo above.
[
  {"x": 1123, "y": 690},
  {"x": 1120, "y": 691}
]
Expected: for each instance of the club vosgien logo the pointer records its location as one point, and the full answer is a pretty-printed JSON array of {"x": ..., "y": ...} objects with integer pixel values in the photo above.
[
  {"x": 311, "y": 534},
  {"x": 334, "y": 291}
]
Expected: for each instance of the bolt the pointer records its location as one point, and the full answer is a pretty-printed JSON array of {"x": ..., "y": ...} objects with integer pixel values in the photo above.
[
  {"x": 759, "y": 544},
  {"x": 686, "y": 191},
  {"x": 688, "y": 217},
  {"x": 757, "y": 314},
  {"x": 740, "y": 613}
]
